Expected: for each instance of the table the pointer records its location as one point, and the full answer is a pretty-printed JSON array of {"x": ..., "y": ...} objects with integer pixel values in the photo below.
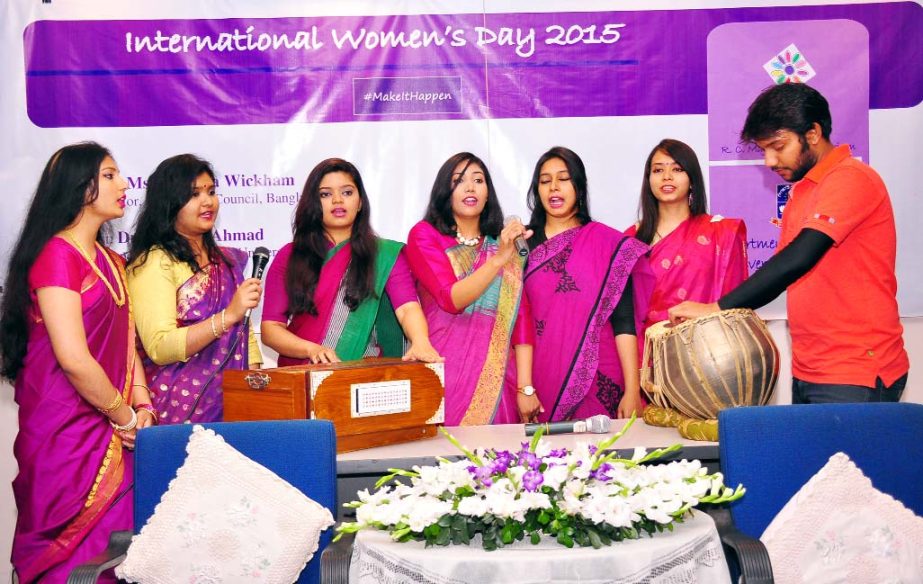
[
  {"x": 690, "y": 553},
  {"x": 360, "y": 469}
]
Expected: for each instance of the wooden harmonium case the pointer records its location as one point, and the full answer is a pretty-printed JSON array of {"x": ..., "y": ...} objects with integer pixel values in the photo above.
[{"x": 372, "y": 402}]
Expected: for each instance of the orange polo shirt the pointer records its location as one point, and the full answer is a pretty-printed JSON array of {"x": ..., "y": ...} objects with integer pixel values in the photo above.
[{"x": 843, "y": 313}]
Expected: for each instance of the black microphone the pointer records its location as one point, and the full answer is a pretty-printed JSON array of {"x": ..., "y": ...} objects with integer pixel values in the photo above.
[
  {"x": 260, "y": 259},
  {"x": 594, "y": 424},
  {"x": 522, "y": 248}
]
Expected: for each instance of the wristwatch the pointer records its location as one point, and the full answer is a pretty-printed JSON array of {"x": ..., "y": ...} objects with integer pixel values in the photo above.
[{"x": 528, "y": 390}]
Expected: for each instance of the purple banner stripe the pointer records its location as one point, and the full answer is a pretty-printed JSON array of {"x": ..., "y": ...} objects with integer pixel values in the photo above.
[
  {"x": 98, "y": 73},
  {"x": 337, "y": 68}
]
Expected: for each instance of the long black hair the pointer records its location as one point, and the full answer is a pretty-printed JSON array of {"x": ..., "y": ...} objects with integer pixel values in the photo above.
[
  {"x": 649, "y": 209},
  {"x": 169, "y": 188},
  {"x": 69, "y": 182},
  {"x": 439, "y": 210},
  {"x": 577, "y": 172},
  {"x": 310, "y": 244}
]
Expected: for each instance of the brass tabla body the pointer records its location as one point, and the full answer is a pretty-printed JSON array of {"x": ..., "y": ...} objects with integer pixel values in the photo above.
[{"x": 721, "y": 360}]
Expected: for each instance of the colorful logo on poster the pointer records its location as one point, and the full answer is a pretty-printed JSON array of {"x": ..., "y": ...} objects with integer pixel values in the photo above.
[{"x": 789, "y": 66}]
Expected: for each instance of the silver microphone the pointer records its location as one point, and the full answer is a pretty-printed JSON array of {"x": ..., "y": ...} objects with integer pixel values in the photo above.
[
  {"x": 594, "y": 425},
  {"x": 522, "y": 248}
]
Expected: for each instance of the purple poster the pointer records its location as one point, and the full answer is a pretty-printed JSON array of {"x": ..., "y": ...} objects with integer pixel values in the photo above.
[
  {"x": 118, "y": 73},
  {"x": 743, "y": 59}
]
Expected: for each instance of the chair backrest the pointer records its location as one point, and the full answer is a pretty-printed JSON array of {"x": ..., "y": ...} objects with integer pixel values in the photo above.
[
  {"x": 774, "y": 450},
  {"x": 303, "y": 452}
]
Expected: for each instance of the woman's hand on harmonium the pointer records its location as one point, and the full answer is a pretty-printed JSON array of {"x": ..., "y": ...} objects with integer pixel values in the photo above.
[
  {"x": 689, "y": 310},
  {"x": 426, "y": 353},
  {"x": 321, "y": 354}
]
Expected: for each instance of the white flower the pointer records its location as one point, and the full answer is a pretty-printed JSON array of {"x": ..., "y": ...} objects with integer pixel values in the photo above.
[
  {"x": 475, "y": 506},
  {"x": 555, "y": 475}
]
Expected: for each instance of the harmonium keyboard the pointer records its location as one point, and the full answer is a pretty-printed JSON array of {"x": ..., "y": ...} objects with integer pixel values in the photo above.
[{"x": 371, "y": 402}]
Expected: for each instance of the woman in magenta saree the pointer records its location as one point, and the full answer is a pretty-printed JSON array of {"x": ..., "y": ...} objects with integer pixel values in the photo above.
[
  {"x": 470, "y": 285},
  {"x": 694, "y": 255},
  {"x": 190, "y": 295},
  {"x": 587, "y": 285},
  {"x": 339, "y": 292},
  {"x": 68, "y": 342}
]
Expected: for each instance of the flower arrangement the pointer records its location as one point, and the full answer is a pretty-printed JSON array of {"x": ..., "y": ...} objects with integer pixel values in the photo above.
[{"x": 588, "y": 496}]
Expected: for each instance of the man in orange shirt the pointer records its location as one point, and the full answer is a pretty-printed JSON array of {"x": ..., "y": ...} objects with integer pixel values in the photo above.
[{"x": 836, "y": 257}]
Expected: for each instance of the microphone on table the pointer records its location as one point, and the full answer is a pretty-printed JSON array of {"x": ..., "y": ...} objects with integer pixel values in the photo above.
[
  {"x": 522, "y": 248},
  {"x": 594, "y": 425},
  {"x": 260, "y": 259}
]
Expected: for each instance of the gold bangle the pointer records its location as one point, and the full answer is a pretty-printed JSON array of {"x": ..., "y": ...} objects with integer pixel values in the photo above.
[
  {"x": 224, "y": 327},
  {"x": 113, "y": 405},
  {"x": 140, "y": 385},
  {"x": 214, "y": 329}
]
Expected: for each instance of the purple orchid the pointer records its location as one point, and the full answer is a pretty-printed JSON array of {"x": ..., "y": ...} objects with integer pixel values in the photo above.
[{"x": 532, "y": 480}]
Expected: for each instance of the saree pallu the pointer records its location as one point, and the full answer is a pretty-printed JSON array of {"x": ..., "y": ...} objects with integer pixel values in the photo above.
[
  {"x": 74, "y": 475},
  {"x": 182, "y": 391},
  {"x": 369, "y": 330},
  {"x": 480, "y": 372},
  {"x": 574, "y": 281},
  {"x": 701, "y": 260}
]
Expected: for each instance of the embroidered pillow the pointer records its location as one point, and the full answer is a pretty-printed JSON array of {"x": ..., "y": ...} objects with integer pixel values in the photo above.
[
  {"x": 839, "y": 528},
  {"x": 225, "y": 518}
]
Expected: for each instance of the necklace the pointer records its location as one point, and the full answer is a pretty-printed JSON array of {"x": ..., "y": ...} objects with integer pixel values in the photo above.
[
  {"x": 118, "y": 298},
  {"x": 466, "y": 241}
]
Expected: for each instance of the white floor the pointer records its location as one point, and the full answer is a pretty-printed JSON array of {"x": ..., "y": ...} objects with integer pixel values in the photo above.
[{"x": 913, "y": 337}]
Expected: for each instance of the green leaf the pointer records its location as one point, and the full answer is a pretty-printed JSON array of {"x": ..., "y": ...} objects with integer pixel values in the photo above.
[
  {"x": 595, "y": 540},
  {"x": 535, "y": 538}
]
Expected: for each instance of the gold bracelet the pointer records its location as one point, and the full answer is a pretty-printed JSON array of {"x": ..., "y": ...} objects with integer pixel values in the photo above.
[
  {"x": 113, "y": 405},
  {"x": 214, "y": 328},
  {"x": 141, "y": 385},
  {"x": 224, "y": 327}
]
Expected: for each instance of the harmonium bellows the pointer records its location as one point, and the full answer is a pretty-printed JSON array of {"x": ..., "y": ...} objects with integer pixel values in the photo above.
[{"x": 372, "y": 402}]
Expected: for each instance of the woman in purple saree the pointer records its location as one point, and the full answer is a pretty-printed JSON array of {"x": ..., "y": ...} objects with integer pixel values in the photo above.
[
  {"x": 67, "y": 342},
  {"x": 588, "y": 286},
  {"x": 694, "y": 255},
  {"x": 190, "y": 295},
  {"x": 469, "y": 278}
]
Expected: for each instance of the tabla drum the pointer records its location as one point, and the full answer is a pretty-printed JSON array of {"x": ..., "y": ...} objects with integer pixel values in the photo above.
[{"x": 699, "y": 367}]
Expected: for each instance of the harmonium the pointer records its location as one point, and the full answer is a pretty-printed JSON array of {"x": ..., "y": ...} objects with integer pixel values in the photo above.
[{"x": 371, "y": 402}]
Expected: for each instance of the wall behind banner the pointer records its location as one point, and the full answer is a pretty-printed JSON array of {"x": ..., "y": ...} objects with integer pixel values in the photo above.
[{"x": 607, "y": 79}]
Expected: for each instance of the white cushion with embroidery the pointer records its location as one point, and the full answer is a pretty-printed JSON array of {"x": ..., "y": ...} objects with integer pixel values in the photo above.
[
  {"x": 225, "y": 518},
  {"x": 839, "y": 528}
]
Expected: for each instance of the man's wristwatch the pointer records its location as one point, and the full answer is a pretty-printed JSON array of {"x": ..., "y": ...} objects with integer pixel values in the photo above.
[{"x": 528, "y": 390}]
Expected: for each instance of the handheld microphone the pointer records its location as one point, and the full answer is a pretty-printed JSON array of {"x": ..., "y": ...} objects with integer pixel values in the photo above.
[
  {"x": 522, "y": 248},
  {"x": 594, "y": 424},
  {"x": 260, "y": 259}
]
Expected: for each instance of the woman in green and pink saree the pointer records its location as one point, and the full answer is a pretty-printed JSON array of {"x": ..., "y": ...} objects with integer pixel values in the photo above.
[{"x": 339, "y": 292}]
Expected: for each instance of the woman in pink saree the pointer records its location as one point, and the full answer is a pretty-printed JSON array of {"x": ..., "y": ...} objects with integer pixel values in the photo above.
[
  {"x": 190, "y": 295},
  {"x": 469, "y": 278},
  {"x": 67, "y": 342},
  {"x": 588, "y": 286},
  {"x": 338, "y": 291},
  {"x": 694, "y": 255}
]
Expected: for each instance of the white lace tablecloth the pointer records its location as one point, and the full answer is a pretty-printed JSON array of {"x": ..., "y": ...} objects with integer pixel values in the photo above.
[{"x": 692, "y": 553}]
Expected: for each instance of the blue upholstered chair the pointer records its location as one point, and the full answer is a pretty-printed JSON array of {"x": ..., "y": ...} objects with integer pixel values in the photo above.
[
  {"x": 303, "y": 452},
  {"x": 774, "y": 450}
]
